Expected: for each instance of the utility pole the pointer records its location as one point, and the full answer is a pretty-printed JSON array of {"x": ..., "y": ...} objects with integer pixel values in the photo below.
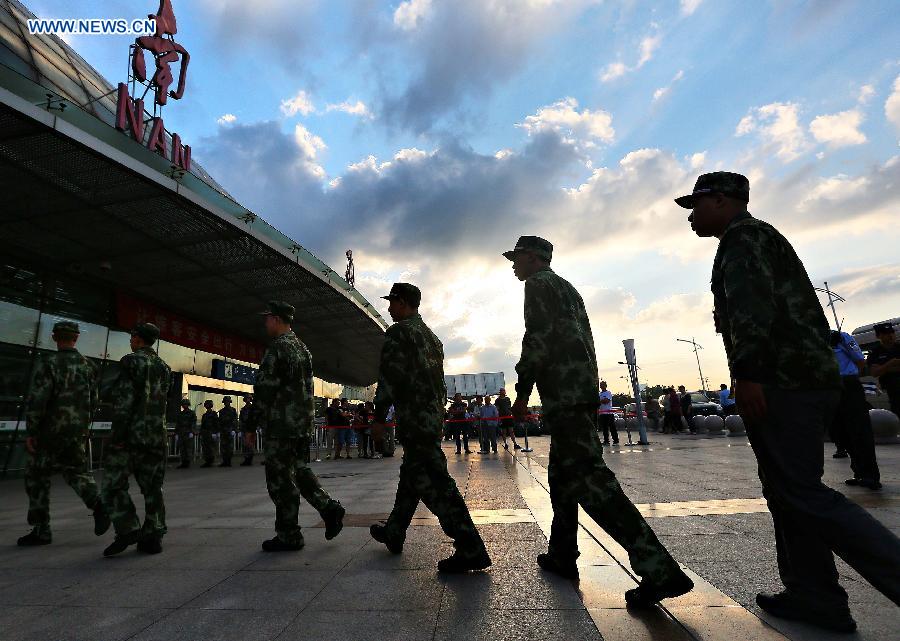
[
  {"x": 697, "y": 354},
  {"x": 832, "y": 298}
]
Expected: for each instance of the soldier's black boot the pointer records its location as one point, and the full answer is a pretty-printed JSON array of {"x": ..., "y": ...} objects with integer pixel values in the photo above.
[
  {"x": 247, "y": 461},
  {"x": 567, "y": 570},
  {"x": 459, "y": 564},
  {"x": 333, "y": 517},
  {"x": 101, "y": 520},
  {"x": 207, "y": 464},
  {"x": 225, "y": 463},
  {"x": 184, "y": 466},
  {"x": 150, "y": 545},
  {"x": 34, "y": 538},
  {"x": 379, "y": 533},
  {"x": 277, "y": 545},
  {"x": 121, "y": 543},
  {"x": 785, "y": 606},
  {"x": 647, "y": 594}
]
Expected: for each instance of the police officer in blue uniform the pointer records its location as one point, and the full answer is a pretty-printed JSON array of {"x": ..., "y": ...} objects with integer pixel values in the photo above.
[{"x": 851, "y": 427}]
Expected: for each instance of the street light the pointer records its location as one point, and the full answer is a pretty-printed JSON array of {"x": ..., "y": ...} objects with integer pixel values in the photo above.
[{"x": 697, "y": 354}]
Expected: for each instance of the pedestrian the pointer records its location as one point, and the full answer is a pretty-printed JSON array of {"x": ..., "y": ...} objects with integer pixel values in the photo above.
[
  {"x": 675, "y": 411},
  {"x": 61, "y": 403},
  {"x": 209, "y": 425},
  {"x": 284, "y": 395},
  {"x": 606, "y": 416},
  {"x": 249, "y": 422},
  {"x": 489, "y": 419},
  {"x": 138, "y": 445},
  {"x": 185, "y": 426},
  {"x": 359, "y": 426},
  {"x": 651, "y": 405},
  {"x": 851, "y": 425},
  {"x": 458, "y": 423},
  {"x": 411, "y": 377},
  {"x": 684, "y": 398},
  {"x": 338, "y": 423},
  {"x": 558, "y": 357},
  {"x": 390, "y": 433},
  {"x": 726, "y": 400},
  {"x": 474, "y": 425},
  {"x": 507, "y": 422},
  {"x": 884, "y": 363},
  {"x": 786, "y": 385},
  {"x": 228, "y": 425}
]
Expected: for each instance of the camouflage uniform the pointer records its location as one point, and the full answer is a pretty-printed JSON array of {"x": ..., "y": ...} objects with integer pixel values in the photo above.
[
  {"x": 776, "y": 334},
  {"x": 209, "y": 425},
  {"x": 412, "y": 379},
  {"x": 558, "y": 356},
  {"x": 185, "y": 426},
  {"x": 63, "y": 394},
  {"x": 284, "y": 395},
  {"x": 228, "y": 423},
  {"x": 138, "y": 444},
  {"x": 249, "y": 419}
]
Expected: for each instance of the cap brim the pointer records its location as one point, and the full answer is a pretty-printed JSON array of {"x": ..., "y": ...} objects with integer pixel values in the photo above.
[
  {"x": 510, "y": 255},
  {"x": 686, "y": 201},
  {"x": 390, "y": 297}
]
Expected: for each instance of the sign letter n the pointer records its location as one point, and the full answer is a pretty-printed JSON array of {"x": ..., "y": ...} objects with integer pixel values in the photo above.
[{"x": 129, "y": 113}]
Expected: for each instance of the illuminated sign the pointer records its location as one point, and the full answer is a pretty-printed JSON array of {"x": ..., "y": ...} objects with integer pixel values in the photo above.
[{"x": 130, "y": 111}]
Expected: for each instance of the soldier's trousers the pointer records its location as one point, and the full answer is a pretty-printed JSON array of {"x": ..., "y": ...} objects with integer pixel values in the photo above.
[
  {"x": 249, "y": 439},
  {"x": 852, "y": 429},
  {"x": 288, "y": 477},
  {"x": 70, "y": 460},
  {"x": 207, "y": 446},
  {"x": 185, "y": 447},
  {"x": 226, "y": 445},
  {"x": 579, "y": 476},
  {"x": 424, "y": 477},
  {"x": 812, "y": 520},
  {"x": 149, "y": 469}
]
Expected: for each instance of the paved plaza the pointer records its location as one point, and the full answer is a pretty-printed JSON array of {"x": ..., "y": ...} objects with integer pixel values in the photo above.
[{"x": 701, "y": 496}]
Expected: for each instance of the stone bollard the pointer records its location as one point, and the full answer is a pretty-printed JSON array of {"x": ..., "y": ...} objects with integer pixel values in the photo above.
[
  {"x": 699, "y": 424},
  {"x": 620, "y": 427},
  {"x": 715, "y": 426},
  {"x": 885, "y": 426},
  {"x": 735, "y": 425}
]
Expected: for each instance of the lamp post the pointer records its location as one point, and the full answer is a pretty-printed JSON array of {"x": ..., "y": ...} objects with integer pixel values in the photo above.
[{"x": 697, "y": 347}]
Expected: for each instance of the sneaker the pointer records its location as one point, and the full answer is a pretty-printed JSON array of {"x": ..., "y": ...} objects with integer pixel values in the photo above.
[
  {"x": 379, "y": 533},
  {"x": 150, "y": 545},
  {"x": 647, "y": 594},
  {"x": 458, "y": 564},
  {"x": 277, "y": 545},
  {"x": 785, "y": 606},
  {"x": 567, "y": 570},
  {"x": 334, "y": 520},
  {"x": 33, "y": 538},
  {"x": 841, "y": 453},
  {"x": 101, "y": 520},
  {"x": 122, "y": 543}
]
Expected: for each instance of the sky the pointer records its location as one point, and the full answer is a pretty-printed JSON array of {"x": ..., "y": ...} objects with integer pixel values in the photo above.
[{"x": 427, "y": 135}]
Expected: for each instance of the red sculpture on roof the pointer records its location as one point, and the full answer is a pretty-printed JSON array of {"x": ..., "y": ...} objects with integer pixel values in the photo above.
[{"x": 165, "y": 51}]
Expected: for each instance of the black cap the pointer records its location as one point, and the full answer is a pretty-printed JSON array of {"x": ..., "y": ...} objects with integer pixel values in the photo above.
[
  {"x": 883, "y": 328},
  {"x": 534, "y": 244},
  {"x": 147, "y": 332},
  {"x": 208, "y": 404},
  {"x": 726, "y": 183},
  {"x": 406, "y": 292},
  {"x": 186, "y": 402},
  {"x": 66, "y": 327},
  {"x": 281, "y": 309},
  {"x": 226, "y": 399},
  {"x": 248, "y": 397}
]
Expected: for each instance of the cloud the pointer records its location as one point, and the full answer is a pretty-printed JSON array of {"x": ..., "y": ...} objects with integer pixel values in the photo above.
[
  {"x": 301, "y": 103},
  {"x": 866, "y": 93},
  {"x": 357, "y": 108},
  {"x": 838, "y": 130},
  {"x": 688, "y": 7},
  {"x": 226, "y": 119},
  {"x": 662, "y": 92},
  {"x": 409, "y": 13},
  {"x": 613, "y": 70},
  {"x": 892, "y": 105},
  {"x": 584, "y": 127},
  {"x": 646, "y": 49},
  {"x": 778, "y": 124}
]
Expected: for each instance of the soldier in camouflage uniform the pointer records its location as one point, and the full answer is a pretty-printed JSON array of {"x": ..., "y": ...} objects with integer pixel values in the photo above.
[
  {"x": 284, "y": 396},
  {"x": 558, "y": 356},
  {"x": 62, "y": 397},
  {"x": 249, "y": 419},
  {"x": 787, "y": 388},
  {"x": 138, "y": 445},
  {"x": 209, "y": 425},
  {"x": 185, "y": 426},
  {"x": 228, "y": 425},
  {"x": 412, "y": 379}
]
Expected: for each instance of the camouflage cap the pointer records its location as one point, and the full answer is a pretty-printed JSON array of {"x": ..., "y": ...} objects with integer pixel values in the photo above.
[
  {"x": 66, "y": 327},
  {"x": 248, "y": 397},
  {"x": 406, "y": 292},
  {"x": 719, "y": 182},
  {"x": 226, "y": 399},
  {"x": 208, "y": 404},
  {"x": 185, "y": 402},
  {"x": 281, "y": 309},
  {"x": 534, "y": 244},
  {"x": 148, "y": 332},
  {"x": 883, "y": 328}
]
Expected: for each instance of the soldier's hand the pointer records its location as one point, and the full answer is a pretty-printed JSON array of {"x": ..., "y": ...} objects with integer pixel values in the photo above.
[
  {"x": 31, "y": 444},
  {"x": 520, "y": 408},
  {"x": 751, "y": 401}
]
